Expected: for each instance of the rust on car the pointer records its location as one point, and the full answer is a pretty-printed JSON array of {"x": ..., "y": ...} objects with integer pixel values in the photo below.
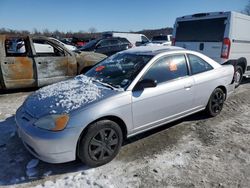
[{"x": 27, "y": 61}]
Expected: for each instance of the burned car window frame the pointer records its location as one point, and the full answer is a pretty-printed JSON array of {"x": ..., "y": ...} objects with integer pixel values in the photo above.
[
  {"x": 16, "y": 54},
  {"x": 48, "y": 54}
]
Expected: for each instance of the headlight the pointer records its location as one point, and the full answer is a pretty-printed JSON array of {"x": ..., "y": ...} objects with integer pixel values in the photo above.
[{"x": 53, "y": 122}]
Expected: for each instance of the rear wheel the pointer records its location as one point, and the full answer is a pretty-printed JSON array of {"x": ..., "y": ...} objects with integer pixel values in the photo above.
[
  {"x": 101, "y": 143},
  {"x": 215, "y": 103},
  {"x": 238, "y": 75}
]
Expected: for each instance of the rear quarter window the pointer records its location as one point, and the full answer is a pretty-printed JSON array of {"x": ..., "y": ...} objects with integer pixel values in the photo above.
[
  {"x": 198, "y": 65},
  {"x": 206, "y": 30}
]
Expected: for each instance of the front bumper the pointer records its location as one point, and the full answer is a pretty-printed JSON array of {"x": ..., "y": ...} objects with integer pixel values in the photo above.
[{"x": 48, "y": 146}]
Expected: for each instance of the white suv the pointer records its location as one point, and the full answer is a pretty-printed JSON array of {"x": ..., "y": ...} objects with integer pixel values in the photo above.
[{"x": 223, "y": 36}]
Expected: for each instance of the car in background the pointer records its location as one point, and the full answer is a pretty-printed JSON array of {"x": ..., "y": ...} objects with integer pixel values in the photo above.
[
  {"x": 28, "y": 61},
  {"x": 223, "y": 36},
  {"x": 162, "y": 39},
  {"x": 68, "y": 46},
  {"x": 133, "y": 91},
  {"x": 135, "y": 39},
  {"x": 107, "y": 46}
]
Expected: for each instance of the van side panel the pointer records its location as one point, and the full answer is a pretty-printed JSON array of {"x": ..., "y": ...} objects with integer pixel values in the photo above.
[{"x": 240, "y": 38}]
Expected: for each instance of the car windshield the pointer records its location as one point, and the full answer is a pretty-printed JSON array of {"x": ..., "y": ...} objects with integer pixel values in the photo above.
[{"x": 119, "y": 70}]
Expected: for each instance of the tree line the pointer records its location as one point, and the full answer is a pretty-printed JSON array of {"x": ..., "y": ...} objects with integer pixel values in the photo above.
[{"x": 92, "y": 33}]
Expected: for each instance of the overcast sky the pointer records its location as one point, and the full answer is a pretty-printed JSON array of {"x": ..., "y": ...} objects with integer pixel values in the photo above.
[{"x": 104, "y": 15}]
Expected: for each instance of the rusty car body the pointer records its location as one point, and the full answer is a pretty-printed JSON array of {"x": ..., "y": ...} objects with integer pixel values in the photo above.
[{"x": 28, "y": 61}]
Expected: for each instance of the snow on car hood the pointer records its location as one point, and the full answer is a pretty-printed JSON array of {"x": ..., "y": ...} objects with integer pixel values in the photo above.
[{"x": 66, "y": 96}]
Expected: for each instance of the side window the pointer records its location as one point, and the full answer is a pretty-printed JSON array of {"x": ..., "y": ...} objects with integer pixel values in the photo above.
[
  {"x": 44, "y": 48},
  {"x": 144, "y": 39},
  {"x": 114, "y": 42},
  {"x": 16, "y": 47},
  {"x": 167, "y": 68},
  {"x": 198, "y": 65},
  {"x": 103, "y": 43}
]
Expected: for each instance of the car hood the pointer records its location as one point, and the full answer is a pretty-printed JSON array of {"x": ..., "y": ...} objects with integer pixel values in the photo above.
[{"x": 67, "y": 96}]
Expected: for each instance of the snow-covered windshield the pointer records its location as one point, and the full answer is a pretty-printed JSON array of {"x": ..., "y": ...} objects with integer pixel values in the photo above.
[{"x": 120, "y": 69}]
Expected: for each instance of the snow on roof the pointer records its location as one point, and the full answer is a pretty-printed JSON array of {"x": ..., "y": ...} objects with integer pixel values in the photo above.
[{"x": 71, "y": 94}]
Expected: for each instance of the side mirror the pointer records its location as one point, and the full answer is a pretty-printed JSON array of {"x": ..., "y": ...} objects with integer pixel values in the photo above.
[{"x": 146, "y": 83}]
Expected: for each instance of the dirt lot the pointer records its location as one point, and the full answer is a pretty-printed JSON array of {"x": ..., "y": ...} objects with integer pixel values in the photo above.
[{"x": 193, "y": 152}]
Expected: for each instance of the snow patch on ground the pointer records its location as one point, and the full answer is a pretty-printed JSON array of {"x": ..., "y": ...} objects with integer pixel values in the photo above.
[{"x": 72, "y": 94}]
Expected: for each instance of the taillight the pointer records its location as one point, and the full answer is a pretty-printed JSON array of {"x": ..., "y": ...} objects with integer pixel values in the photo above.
[
  {"x": 225, "y": 48},
  {"x": 173, "y": 41}
]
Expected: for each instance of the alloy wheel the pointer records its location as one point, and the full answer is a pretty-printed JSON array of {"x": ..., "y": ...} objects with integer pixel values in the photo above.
[{"x": 103, "y": 144}]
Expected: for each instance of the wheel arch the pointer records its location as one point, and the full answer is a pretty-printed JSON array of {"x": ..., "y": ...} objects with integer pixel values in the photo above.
[
  {"x": 113, "y": 118},
  {"x": 243, "y": 63}
]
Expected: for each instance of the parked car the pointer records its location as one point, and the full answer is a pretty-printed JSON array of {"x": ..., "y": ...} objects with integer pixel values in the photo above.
[
  {"x": 162, "y": 39},
  {"x": 134, "y": 38},
  {"x": 107, "y": 46},
  {"x": 128, "y": 93},
  {"x": 223, "y": 36},
  {"x": 68, "y": 46},
  {"x": 37, "y": 61}
]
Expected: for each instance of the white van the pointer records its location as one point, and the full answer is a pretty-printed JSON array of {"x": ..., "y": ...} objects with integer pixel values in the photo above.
[
  {"x": 134, "y": 38},
  {"x": 223, "y": 36}
]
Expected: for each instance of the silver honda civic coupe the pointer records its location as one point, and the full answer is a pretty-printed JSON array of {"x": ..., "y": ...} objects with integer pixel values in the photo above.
[{"x": 90, "y": 116}]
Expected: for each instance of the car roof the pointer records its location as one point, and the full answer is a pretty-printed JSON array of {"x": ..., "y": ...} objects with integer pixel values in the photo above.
[{"x": 152, "y": 50}]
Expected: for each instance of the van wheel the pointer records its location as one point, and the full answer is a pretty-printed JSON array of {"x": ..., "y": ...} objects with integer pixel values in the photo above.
[
  {"x": 238, "y": 75},
  {"x": 215, "y": 103},
  {"x": 101, "y": 143}
]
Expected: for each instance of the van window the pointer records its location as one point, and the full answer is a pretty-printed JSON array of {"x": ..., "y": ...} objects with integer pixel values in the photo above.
[
  {"x": 198, "y": 65},
  {"x": 207, "y": 30},
  {"x": 167, "y": 68}
]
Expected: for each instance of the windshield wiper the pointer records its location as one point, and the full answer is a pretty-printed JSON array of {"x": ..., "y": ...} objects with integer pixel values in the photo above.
[{"x": 105, "y": 84}]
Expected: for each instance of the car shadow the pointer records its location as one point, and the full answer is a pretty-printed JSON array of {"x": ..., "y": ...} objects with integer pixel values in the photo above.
[
  {"x": 245, "y": 81},
  {"x": 14, "y": 157}
]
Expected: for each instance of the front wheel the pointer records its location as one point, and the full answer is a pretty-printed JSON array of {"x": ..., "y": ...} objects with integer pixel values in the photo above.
[
  {"x": 238, "y": 75},
  {"x": 101, "y": 143},
  {"x": 215, "y": 103}
]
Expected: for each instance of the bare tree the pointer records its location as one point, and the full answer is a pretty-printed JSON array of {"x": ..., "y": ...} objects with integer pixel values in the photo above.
[
  {"x": 92, "y": 30},
  {"x": 247, "y": 9}
]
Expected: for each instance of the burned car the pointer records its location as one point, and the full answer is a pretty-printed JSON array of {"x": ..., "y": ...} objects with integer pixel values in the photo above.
[{"x": 27, "y": 61}]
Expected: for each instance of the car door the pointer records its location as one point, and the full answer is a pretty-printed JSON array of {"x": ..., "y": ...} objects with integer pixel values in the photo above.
[
  {"x": 51, "y": 62},
  {"x": 17, "y": 63},
  {"x": 103, "y": 47},
  {"x": 172, "y": 98}
]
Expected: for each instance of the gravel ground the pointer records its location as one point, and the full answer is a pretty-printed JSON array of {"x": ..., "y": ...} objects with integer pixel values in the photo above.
[{"x": 193, "y": 152}]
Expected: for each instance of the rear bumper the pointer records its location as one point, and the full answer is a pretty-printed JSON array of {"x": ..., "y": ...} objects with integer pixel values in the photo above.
[{"x": 48, "y": 146}]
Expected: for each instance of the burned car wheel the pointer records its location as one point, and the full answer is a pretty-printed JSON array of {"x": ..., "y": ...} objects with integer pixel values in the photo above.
[
  {"x": 215, "y": 103},
  {"x": 101, "y": 143}
]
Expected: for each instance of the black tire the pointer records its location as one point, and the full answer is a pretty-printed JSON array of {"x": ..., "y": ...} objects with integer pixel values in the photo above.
[
  {"x": 238, "y": 75},
  {"x": 215, "y": 103},
  {"x": 100, "y": 143}
]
